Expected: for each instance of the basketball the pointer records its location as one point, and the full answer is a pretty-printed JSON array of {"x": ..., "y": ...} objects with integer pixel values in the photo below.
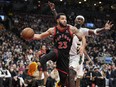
[{"x": 27, "y": 33}]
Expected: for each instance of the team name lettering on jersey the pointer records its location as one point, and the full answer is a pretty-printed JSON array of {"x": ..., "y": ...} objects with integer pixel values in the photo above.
[{"x": 64, "y": 37}]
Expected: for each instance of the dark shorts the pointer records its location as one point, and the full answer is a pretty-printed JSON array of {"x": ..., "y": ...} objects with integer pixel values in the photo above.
[
  {"x": 61, "y": 59},
  {"x": 42, "y": 68}
]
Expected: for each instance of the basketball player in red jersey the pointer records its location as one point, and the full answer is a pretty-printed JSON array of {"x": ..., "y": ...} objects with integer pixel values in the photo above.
[
  {"x": 43, "y": 69},
  {"x": 62, "y": 34}
]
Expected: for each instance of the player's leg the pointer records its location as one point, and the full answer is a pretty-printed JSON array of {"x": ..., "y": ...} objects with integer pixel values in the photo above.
[
  {"x": 73, "y": 65},
  {"x": 52, "y": 55},
  {"x": 45, "y": 74},
  {"x": 63, "y": 67},
  {"x": 40, "y": 75},
  {"x": 63, "y": 79},
  {"x": 72, "y": 74},
  {"x": 78, "y": 82},
  {"x": 40, "y": 72},
  {"x": 45, "y": 77},
  {"x": 80, "y": 73},
  {"x": 74, "y": 71}
]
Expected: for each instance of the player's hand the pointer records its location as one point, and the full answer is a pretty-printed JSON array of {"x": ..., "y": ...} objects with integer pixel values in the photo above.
[
  {"x": 108, "y": 25},
  {"x": 52, "y": 5}
]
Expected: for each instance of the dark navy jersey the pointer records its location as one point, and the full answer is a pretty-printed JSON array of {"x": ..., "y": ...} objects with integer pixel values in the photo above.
[{"x": 63, "y": 39}]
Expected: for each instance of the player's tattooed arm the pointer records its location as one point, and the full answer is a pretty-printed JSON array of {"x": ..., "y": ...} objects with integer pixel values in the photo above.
[
  {"x": 88, "y": 57},
  {"x": 76, "y": 32},
  {"x": 43, "y": 35}
]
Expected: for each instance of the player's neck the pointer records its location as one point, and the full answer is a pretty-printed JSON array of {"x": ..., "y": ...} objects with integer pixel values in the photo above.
[
  {"x": 78, "y": 26},
  {"x": 61, "y": 28}
]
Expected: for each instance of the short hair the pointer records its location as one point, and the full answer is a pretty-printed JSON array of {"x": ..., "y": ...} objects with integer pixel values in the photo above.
[{"x": 58, "y": 15}]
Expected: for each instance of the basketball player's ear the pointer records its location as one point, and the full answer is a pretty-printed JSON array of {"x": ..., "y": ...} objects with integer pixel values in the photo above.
[{"x": 57, "y": 20}]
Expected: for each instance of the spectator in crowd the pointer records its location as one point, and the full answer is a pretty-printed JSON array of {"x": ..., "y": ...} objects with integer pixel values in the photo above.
[
  {"x": 108, "y": 75},
  {"x": 84, "y": 79},
  {"x": 90, "y": 77},
  {"x": 53, "y": 77},
  {"x": 99, "y": 79},
  {"x": 112, "y": 79}
]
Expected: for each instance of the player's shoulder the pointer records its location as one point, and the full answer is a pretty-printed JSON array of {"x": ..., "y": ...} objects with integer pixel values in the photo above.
[
  {"x": 51, "y": 29},
  {"x": 71, "y": 26},
  {"x": 84, "y": 28},
  {"x": 73, "y": 29}
]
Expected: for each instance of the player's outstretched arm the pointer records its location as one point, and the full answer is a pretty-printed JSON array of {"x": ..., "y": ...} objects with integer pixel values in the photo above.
[
  {"x": 43, "y": 35},
  {"x": 88, "y": 57},
  {"x": 97, "y": 31},
  {"x": 52, "y": 7}
]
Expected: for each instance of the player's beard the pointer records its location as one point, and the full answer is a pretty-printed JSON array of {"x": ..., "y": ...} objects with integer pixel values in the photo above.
[
  {"x": 78, "y": 26},
  {"x": 62, "y": 25}
]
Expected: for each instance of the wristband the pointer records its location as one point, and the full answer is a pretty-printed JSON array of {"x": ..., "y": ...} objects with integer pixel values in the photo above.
[
  {"x": 53, "y": 10},
  {"x": 95, "y": 32}
]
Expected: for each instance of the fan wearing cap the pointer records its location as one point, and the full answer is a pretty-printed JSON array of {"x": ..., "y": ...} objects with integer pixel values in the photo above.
[{"x": 76, "y": 61}]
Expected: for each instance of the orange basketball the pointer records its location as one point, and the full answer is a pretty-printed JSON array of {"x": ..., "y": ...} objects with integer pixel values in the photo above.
[{"x": 27, "y": 33}]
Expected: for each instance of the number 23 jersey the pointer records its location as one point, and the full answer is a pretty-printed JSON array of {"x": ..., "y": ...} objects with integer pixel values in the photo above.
[{"x": 63, "y": 39}]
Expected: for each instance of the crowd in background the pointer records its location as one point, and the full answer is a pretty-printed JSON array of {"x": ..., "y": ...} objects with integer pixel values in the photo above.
[{"x": 16, "y": 53}]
